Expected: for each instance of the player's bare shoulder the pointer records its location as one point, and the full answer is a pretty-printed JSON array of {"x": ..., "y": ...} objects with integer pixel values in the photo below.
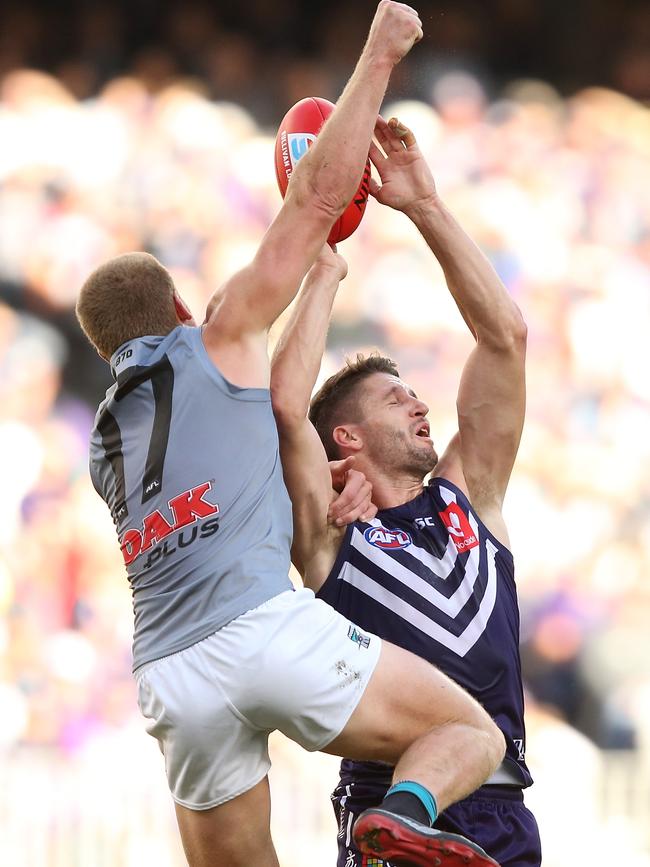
[{"x": 240, "y": 355}]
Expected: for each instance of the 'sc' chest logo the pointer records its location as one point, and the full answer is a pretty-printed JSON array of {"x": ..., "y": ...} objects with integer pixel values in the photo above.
[{"x": 387, "y": 540}]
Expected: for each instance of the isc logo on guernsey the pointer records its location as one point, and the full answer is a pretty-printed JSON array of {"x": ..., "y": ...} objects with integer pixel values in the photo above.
[{"x": 387, "y": 540}]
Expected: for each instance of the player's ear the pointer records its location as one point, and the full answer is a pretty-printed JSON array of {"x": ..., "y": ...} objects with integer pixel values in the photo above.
[
  {"x": 347, "y": 436},
  {"x": 182, "y": 310}
]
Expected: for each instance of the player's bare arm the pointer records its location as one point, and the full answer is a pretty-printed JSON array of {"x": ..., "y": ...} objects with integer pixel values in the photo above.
[
  {"x": 491, "y": 397},
  {"x": 294, "y": 369},
  {"x": 321, "y": 187}
]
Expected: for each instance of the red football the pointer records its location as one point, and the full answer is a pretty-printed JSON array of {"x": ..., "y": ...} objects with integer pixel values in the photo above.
[{"x": 298, "y": 130}]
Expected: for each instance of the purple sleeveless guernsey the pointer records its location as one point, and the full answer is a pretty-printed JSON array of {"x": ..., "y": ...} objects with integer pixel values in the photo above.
[{"x": 430, "y": 577}]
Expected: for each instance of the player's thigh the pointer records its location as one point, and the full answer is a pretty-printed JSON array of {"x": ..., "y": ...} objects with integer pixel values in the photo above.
[
  {"x": 301, "y": 668},
  {"x": 212, "y": 754},
  {"x": 234, "y": 834},
  {"x": 405, "y": 698}
]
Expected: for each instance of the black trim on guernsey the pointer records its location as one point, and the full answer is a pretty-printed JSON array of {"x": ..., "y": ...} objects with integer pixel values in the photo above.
[
  {"x": 162, "y": 382},
  {"x": 111, "y": 435},
  {"x": 161, "y": 375}
]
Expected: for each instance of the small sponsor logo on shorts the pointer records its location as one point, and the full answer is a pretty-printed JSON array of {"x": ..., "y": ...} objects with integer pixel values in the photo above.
[
  {"x": 358, "y": 637},
  {"x": 519, "y": 743},
  {"x": 387, "y": 540}
]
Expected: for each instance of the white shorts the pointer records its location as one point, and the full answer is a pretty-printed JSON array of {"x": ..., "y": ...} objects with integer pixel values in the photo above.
[{"x": 293, "y": 664}]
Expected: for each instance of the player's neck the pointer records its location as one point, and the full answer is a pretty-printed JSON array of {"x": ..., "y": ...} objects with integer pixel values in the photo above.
[{"x": 389, "y": 492}]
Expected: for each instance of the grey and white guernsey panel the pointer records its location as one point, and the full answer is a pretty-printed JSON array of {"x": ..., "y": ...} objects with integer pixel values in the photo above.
[{"x": 189, "y": 467}]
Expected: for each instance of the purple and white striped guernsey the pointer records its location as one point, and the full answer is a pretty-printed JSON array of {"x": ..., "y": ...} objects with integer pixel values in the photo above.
[{"x": 430, "y": 577}]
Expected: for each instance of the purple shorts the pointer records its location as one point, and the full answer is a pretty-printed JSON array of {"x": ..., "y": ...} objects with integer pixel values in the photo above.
[{"x": 495, "y": 817}]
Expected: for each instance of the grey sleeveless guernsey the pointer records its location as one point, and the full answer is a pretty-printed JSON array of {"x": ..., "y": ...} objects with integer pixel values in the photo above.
[{"x": 188, "y": 465}]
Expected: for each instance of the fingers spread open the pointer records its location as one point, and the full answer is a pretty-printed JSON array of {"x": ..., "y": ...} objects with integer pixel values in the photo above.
[
  {"x": 377, "y": 158},
  {"x": 387, "y": 137}
]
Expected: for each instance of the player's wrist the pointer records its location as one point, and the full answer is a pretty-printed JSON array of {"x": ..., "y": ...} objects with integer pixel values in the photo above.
[
  {"x": 324, "y": 272},
  {"x": 423, "y": 207},
  {"x": 377, "y": 56}
]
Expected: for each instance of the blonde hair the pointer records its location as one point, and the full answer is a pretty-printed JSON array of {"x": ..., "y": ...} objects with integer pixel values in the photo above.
[{"x": 127, "y": 297}]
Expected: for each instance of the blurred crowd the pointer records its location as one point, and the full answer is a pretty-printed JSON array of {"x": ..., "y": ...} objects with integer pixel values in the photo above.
[
  {"x": 555, "y": 190},
  {"x": 261, "y": 53}
]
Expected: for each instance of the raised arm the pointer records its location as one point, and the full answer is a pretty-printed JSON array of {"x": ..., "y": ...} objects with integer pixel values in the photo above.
[
  {"x": 491, "y": 397},
  {"x": 294, "y": 369},
  {"x": 320, "y": 189}
]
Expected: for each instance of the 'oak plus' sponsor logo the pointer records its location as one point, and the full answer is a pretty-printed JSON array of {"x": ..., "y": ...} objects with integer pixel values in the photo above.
[{"x": 185, "y": 509}]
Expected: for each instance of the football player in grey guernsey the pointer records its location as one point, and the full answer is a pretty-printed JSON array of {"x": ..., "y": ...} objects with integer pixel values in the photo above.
[
  {"x": 432, "y": 572},
  {"x": 185, "y": 453}
]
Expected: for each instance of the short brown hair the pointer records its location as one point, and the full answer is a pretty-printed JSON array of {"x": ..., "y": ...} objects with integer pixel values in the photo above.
[
  {"x": 336, "y": 403},
  {"x": 127, "y": 297}
]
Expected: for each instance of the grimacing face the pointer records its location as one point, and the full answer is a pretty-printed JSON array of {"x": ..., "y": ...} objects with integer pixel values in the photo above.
[{"x": 394, "y": 427}]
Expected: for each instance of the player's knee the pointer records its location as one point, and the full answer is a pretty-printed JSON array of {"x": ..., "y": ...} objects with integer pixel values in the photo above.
[
  {"x": 495, "y": 743},
  {"x": 237, "y": 846},
  {"x": 486, "y": 730},
  {"x": 499, "y": 744},
  {"x": 248, "y": 850}
]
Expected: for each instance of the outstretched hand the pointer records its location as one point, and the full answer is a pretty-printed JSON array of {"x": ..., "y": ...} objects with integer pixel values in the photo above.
[{"x": 406, "y": 179}]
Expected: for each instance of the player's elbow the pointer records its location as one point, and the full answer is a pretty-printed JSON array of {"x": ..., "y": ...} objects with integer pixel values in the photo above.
[
  {"x": 511, "y": 336},
  {"x": 517, "y": 328},
  {"x": 290, "y": 412}
]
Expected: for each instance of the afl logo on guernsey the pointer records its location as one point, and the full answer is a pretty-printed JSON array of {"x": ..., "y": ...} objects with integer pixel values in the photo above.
[{"x": 387, "y": 540}]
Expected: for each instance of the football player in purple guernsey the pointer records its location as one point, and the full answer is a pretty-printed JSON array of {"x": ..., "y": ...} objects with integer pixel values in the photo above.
[{"x": 432, "y": 572}]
